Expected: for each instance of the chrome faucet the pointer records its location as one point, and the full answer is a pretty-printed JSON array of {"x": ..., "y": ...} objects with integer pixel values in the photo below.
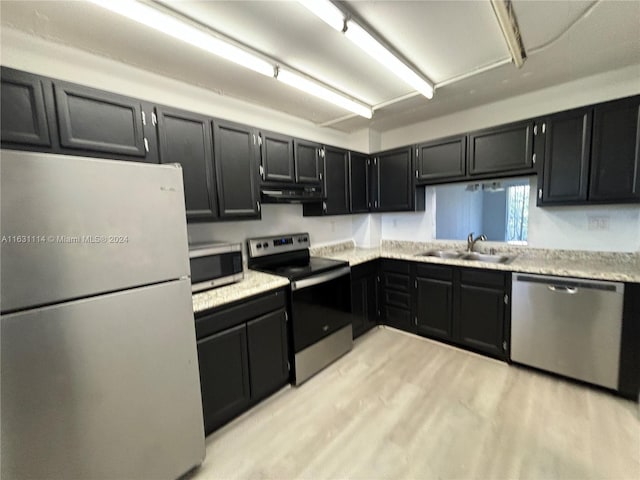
[{"x": 471, "y": 242}]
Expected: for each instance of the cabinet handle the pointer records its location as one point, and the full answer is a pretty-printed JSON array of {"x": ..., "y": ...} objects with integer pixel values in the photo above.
[
  {"x": 544, "y": 127},
  {"x": 260, "y": 140},
  {"x": 324, "y": 207},
  {"x": 146, "y": 145},
  {"x": 320, "y": 175},
  {"x": 154, "y": 119},
  {"x": 540, "y": 193},
  {"x": 375, "y": 161},
  {"x": 417, "y": 154},
  {"x": 258, "y": 205},
  {"x": 535, "y": 130},
  {"x": 375, "y": 204},
  {"x": 415, "y": 321},
  {"x": 534, "y": 159},
  {"x": 144, "y": 119},
  {"x": 254, "y": 138},
  {"x": 369, "y": 204},
  {"x": 416, "y": 173},
  {"x": 262, "y": 171},
  {"x": 506, "y": 299}
]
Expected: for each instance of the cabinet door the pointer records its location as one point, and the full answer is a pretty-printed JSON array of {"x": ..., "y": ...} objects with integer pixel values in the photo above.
[
  {"x": 224, "y": 376},
  {"x": 98, "y": 121},
  {"x": 364, "y": 298},
  {"x": 359, "y": 182},
  {"x": 24, "y": 119},
  {"x": 503, "y": 149},
  {"x": 395, "y": 186},
  {"x": 185, "y": 138},
  {"x": 336, "y": 181},
  {"x": 307, "y": 161},
  {"x": 615, "y": 154},
  {"x": 434, "y": 307},
  {"x": 480, "y": 323},
  {"x": 236, "y": 161},
  {"x": 399, "y": 318},
  {"x": 566, "y": 158},
  {"x": 277, "y": 158},
  {"x": 441, "y": 159},
  {"x": 268, "y": 353}
]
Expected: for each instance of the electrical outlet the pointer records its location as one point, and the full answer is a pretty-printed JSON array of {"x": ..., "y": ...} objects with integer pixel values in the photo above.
[{"x": 598, "y": 222}]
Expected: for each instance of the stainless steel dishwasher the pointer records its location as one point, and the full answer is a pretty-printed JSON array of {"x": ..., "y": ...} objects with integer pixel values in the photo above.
[{"x": 568, "y": 326}]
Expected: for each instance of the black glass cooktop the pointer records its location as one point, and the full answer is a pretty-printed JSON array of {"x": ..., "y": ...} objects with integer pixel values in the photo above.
[{"x": 304, "y": 268}]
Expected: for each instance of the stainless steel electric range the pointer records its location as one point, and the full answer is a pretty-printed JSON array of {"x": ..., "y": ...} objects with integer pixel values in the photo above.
[{"x": 319, "y": 300}]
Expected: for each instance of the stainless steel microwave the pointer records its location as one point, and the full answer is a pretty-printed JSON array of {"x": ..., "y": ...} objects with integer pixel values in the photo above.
[{"x": 215, "y": 264}]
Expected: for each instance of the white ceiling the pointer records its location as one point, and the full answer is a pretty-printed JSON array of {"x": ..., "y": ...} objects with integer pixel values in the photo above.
[{"x": 444, "y": 39}]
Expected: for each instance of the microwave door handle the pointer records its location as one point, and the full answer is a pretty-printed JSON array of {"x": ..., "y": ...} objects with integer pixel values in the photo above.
[{"x": 318, "y": 279}]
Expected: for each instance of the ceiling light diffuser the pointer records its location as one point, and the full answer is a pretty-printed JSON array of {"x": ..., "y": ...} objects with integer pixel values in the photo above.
[
  {"x": 169, "y": 25},
  {"x": 366, "y": 42},
  {"x": 326, "y": 11},
  {"x": 309, "y": 86},
  {"x": 506, "y": 17}
]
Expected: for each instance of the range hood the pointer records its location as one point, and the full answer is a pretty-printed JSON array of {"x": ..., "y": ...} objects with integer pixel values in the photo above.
[{"x": 291, "y": 194}]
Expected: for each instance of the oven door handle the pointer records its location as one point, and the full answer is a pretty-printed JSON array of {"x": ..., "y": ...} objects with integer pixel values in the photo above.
[{"x": 318, "y": 279}]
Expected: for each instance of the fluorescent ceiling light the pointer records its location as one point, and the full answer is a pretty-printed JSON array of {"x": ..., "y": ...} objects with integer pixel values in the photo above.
[
  {"x": 366, "y": 42},
  {"x": 503, "y": 10},
  {"x": 326, "y": 11},
  {"x": 306, "y": 85},
  {"x": 180, "y": 30}
]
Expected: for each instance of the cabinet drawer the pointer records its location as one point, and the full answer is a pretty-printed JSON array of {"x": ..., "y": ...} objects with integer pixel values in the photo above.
[
  {"x": 397, "y": 318},
  {"x": 438, "y": 272},
  {"x": 482, "y": 277},
  {"x": 399, "y": 299},
  {"x": 235, "y": 314},
  {"x": 396, "y": 281},
  {"x": 397, "y": 266}
]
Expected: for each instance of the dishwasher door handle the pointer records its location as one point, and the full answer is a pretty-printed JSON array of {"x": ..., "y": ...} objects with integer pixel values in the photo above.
[{"x": 563, "y": 289}]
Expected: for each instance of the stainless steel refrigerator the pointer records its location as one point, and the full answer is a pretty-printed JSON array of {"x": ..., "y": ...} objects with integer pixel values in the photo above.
[{"x": 99, "y": 365}]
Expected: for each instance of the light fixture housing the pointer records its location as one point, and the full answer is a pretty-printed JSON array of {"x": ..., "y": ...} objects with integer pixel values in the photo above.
[
  {"x": 326, "y": 11},
  {"x": 506, "y": 17},
  {"x": 316, "y": 89},
  {"x": 376, "y": 50},
  {"x": 174, "y": 27}
]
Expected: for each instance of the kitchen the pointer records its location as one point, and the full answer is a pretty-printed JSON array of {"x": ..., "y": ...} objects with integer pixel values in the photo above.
[{"x": 71, "y": 46}]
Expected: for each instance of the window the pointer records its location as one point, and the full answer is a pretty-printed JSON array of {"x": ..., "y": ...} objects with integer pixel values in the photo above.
[
  {"x": 498, "y": 209},
  {"x": 517, "y": 213}
]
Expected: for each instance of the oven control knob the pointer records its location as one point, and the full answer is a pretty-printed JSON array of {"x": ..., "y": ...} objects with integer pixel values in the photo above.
[
  {"x": 259, "y": 245},
  {"x": 265, "y": 245},
  {"x": 305, "y": 239}
]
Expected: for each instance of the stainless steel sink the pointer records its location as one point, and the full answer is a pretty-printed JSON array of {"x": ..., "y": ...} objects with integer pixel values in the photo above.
[
  {"x": 440, "y": 254},
  {"x": 485, "y": 257}
]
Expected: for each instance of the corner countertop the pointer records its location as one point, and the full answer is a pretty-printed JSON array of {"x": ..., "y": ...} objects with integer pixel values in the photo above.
[
  {"x": 254, "y": 283},
  {"x": 612, "y": 266}
]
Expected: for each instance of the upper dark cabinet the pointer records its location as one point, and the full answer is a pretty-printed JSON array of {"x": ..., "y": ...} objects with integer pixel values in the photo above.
[
  {"x": 276, "y": 158},
  {"x": 359, "y": 165},
  {"x": 508, "y": 148},
  {"x": 394, "y": 174},
  {"x": 566, "y": 157},
  {"x": 336, "y": 180},
  {"x": 24, "y": 119},
  {"x": 236, "y": 160},
  {"x": 185, "y": 138},
  {"x": 441, "y": 159},
  {"x": 308, "y": 165},
  {"x": 97, "y": 121},
  {"x": 615, "y": 151}
]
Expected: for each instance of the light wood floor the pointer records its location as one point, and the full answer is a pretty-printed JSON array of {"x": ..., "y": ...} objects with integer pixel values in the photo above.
[{"x": 403, "y": 407}]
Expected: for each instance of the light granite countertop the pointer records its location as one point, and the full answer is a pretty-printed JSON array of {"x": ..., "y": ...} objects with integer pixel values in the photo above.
[
  {"x": 621, "y": 267},
  {"x": 253, "y": 283}
]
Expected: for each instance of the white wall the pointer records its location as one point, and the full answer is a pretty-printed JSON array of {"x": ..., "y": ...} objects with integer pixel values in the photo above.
[
  {"x": 25, "y": 52},
  {"x": 276, "y": 219},
  {"x": 594, "y": 89},
  {"x": 552, "y": 227}
]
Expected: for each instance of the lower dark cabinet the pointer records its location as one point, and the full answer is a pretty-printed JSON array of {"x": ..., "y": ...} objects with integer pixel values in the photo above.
[
  {"x": 480, "y": 322},
  {"x": 268, "y": 353},
  {"x": 243, "y": 354},
  {"x": 364, "y": 298},
  {"x": 395, "y": 295},
  {"x": 433, "y": 307},
  {"x": 224, "y": 376}
]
